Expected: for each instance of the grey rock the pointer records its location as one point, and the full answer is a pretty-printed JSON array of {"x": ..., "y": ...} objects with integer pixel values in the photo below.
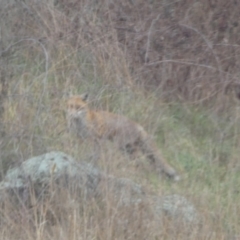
[
  {"x": 58, "y": 168},
  {"x": 177, "y": 207},
  {"x": 53, "y": 166}
]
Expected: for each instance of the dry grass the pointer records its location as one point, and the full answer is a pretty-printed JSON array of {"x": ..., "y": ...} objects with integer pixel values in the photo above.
[{"x": 165, "y": 66}]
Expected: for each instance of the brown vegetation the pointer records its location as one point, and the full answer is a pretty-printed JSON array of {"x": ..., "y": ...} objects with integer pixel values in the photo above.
[
  {"x": 140, "y": 59},
  {"x": 185, "y": 49}
]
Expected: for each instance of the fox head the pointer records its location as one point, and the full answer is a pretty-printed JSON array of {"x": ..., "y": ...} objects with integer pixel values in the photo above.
[{"x": 77, "y": 106}]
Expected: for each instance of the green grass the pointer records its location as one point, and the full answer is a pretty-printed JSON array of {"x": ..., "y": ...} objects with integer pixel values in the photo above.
[
  {"x": 190, "y": 138},
  {"x": 201, "y": 144},
  {"x": 85, "y": 55}
]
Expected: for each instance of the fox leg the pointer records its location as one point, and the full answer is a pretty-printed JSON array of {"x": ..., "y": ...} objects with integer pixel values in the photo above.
[
  {"x": 95, "y": 147},
  {"x": 131, "y": 150}
]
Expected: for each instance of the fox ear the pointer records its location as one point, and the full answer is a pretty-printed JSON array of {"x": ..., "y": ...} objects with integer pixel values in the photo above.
[{"x": 84, "y": 97}]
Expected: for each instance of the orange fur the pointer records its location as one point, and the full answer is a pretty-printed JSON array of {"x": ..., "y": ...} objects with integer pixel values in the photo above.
[{"x": 128, "y": 135}]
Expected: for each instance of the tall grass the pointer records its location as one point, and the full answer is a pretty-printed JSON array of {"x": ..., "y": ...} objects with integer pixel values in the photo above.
[{"x": 48, "y": 58}]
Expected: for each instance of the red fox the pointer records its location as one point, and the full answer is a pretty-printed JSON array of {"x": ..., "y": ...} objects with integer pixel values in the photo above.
[{"x": 128, "y": 135}]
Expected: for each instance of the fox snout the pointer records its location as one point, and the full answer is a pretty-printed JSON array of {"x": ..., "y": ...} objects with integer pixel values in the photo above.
[{"x": 76, "y": 114}]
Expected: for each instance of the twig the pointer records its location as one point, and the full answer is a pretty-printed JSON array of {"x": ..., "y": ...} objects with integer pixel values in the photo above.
[
  {"x": 45, "y": 53},
  {"x": 191, "y": 63},
  {"x": 149, "y": 38},
  {"x": 209, "y": 46}
]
